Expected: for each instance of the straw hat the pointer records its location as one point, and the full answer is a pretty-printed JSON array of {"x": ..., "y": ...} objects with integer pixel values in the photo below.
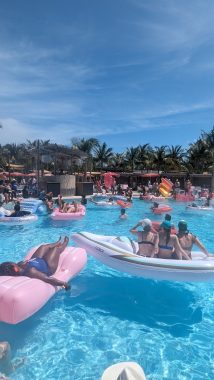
[{"x": 124, "y": 371}]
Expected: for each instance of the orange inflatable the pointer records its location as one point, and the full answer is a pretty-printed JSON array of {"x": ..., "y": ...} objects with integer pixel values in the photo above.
[
  {"x": 123, "y": 204},
  {"x": 161, "y": 209},
  {"x": 165, "y": 187}
]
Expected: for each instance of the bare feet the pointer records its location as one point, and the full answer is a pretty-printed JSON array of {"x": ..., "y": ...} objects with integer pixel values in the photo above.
[{"x": 64, "y": 242}]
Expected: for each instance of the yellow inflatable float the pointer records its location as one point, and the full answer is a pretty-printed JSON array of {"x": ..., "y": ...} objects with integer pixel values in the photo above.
[{"x": 165, "y": 187}]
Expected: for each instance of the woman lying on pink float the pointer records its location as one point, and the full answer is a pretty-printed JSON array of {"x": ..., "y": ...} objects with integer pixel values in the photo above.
[{"x": 41, "y": 265}]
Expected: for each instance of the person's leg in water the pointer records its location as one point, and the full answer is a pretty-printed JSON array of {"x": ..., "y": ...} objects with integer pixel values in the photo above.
[
  {"x": 44, "y": 247},
  {"x": 52, "y": 255}
]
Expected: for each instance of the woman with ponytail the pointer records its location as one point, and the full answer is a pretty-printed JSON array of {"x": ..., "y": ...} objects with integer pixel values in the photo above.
[{"x": 169, "y": 246}]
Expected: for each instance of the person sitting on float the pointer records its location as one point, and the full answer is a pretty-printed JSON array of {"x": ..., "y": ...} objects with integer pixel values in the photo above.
[
  {"x": 41, "y": 265},
  {"x": 147, "y": 240},
  {"x": 187, "y": 239},
  {"x": 58, "y": 201},
  {"x": 49, "y": 201},
  {"x": 4, "y": 211},
  {"x": 17, "y": 213},
  {"x": 83, "y": 200},
  {"x": 69, "y": 208},
  {"x": 169, "y": 246},
  {"x": 155, "y": 205}
]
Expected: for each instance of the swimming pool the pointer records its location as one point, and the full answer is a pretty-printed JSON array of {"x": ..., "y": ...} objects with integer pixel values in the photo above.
[{"x": 109, "y": 316}]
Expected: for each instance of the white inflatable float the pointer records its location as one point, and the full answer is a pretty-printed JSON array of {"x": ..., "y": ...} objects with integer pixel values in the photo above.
[
  {"x": 120, "y": 253},
  {"x": 104, "y": 203},
  {"x": 199, "y": 208},
  {"x": 16, "y": 220},
  {"x": 22, "y": 296},
  {"x": 34, "y": 206}
]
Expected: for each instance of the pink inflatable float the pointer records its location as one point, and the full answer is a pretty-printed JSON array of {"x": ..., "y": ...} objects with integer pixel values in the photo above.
[
  {"x": 57, "y": 215},
  {"x": 21, "y": 297}
]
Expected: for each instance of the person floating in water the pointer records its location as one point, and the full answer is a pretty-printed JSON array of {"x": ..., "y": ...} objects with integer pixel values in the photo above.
[
  {"x": 7, "y": 365},
  {"x": 42, "y": 265},
  {"x": 123, "y": 214}
]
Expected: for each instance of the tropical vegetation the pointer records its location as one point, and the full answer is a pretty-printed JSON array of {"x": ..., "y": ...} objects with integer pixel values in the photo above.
[{"x": 92, "y": 155}]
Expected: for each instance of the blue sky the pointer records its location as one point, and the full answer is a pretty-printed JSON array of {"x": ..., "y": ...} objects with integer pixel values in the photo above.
[{"x": 127, "y": 72}]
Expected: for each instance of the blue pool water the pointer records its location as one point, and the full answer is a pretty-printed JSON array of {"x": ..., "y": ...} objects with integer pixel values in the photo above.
[{"x": 108, "y": 316}]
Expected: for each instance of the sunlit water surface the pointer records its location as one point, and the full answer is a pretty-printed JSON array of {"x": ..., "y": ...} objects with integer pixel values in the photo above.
[{"x": 108, "y": 316}]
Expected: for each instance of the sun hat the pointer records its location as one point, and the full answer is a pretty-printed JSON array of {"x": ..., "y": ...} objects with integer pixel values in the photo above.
[
  {"x": 124, "y": 371},
  {"x": 146, "y": 222},
  {"x": 166, "y": 224},
  {"x": 182, "y": 225}
]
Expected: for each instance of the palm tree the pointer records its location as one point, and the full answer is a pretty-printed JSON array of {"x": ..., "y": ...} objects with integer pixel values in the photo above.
[
  {"x": 118, "y": 162},
  {"x": 87, "y": 146},
  {"x": 102, "y": 155},
  {"x": 143, "y": 156},
  {"x": 198, "y": 156},
  {"x": 131, "y": 156},
  {"x": 174, "y": 157},
  {"x": 208, "y": 139},
  {"x": 159, "y": 157}
]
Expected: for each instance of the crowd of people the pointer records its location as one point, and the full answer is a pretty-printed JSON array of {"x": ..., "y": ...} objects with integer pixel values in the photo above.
[{"x": 165, "y": 244}]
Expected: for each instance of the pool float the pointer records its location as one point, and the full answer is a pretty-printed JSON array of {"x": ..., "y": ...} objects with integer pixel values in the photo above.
[
  {"x": 145, "y": 197},
  {"x": 123, "y": 204},
  {"x": 156, "y": 227},
  {"x": 34, "y": 206},
  {"x": 165, "y": 187},
  {"x": 152, "y": 198},
  {"x": 182, "y": 197},
  {"x": 22, "y": 296},
  {"x": 161, "y": 209},
  {"x": 104, "y": 203},
  {"x": 120, "y": 253},
  {"x": 15, "y": 220},
  {"x": 199, "y": 208},
  {"x": 57, "y": 215}
]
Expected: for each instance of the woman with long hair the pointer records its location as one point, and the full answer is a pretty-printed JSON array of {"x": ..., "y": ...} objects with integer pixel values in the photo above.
[{"x": 169, "y": 246}]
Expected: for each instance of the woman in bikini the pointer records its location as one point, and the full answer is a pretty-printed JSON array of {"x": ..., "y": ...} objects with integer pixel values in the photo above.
[
  {"x": 41, "y": 265},
  {"x": 187, "y": 239},
  {"x": 169, "y": 246},
  {"x": 147, "y": 240}
]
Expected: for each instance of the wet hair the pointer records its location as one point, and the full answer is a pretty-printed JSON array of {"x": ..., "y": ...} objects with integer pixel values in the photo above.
[
  {"x": 17, "y": 207},
  {"x": 168, "y": 232},
  {"x": 168, "y": 217},
  {"x": 122, "y": 211},
  {"x": 166, "y": 225},
  {"x": 147, "y": 228},
  {"x": 8, "y": 269}
]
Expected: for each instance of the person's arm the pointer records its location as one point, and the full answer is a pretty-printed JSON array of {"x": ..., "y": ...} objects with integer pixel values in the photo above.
[
  {"x": 34, "y": 273},
  {"x": 179, "y": 251},
  {"x": 133, "y": 230},
  {"x": 156, "y": 247},
  {"x": 197, "y": 242}
]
